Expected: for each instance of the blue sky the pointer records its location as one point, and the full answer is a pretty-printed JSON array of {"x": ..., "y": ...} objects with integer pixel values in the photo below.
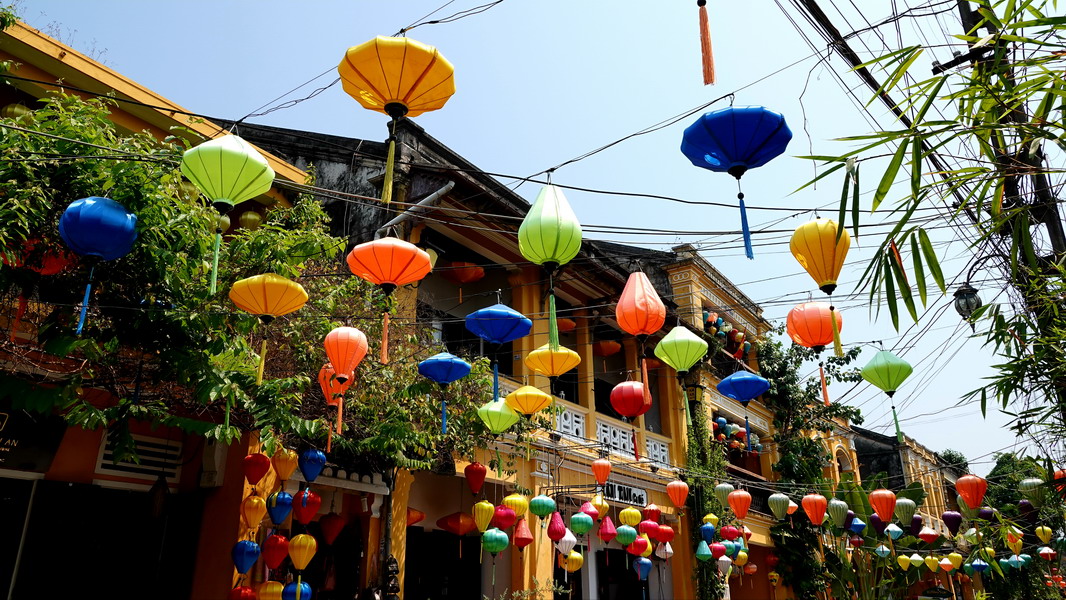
[{"x": 542, "y": 82}]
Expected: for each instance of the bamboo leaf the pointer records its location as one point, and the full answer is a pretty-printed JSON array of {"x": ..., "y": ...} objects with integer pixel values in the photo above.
[
  {"x": 855, "y": 204},
  {"x": 931, "y": 260},
  {"x": 929, "y": 101},
  {"x": 919, "y": 270},
  {"x": 890, "y": 294},
  {"x": 889, "y": 176},
  {"x": 904, "y": 287},
  {"x": 843, "y": 203},
  {"x": 916, "y": 165}
]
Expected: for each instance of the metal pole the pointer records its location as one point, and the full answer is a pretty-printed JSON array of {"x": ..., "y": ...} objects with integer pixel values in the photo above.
[{"x": 22, "y": 541}]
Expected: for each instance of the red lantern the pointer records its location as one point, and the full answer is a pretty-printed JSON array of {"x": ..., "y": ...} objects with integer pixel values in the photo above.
[
  {"x": 566, "y": 325},
  {"x": 814, "y": 505},
  {"x": 638, "y": 547},
  {"x": 855, "y": 540},
  {"x": 522, "y": 536},
  {"x": 556, "y": 527},
  {"x": 589, "y": 509},
  {"x": 242, "y": 593},
  {"x": 884, "y": 503},
  {"x": 678, "y": 492},
  {"x": 504, "y": 517},
  {"x": 607, "y": 530},
  {"x": 972, "y": 489},
  {"x": 751, "y": 569},
  {"x": 460, "y": 272},
  {"x": 666, "y": 534},
  {"x": 305, "y": 505},
  {"x": 275, "y": 549},
  {"x": 475, "y": 476},
  {"x": 458, "y": 523},
  {"x": 648, "y": 527},
  {"x": 652, "y": 512},
  {"x": 717, "y": 550},
  {"x": 772, "y": 560},
  {"x": 740, "y": 502},
  {"x": 331, "y": 525},
  {"x": 388, "y": 263},
  {"x": 255, "y": 467},
  {"x": 601, "y": 470},
  {"x": 414, "y": 516},
  {"x": 729, "y": 533},
  {"x": 606, "y": 348},
  {"x": 628, "y": 399}
]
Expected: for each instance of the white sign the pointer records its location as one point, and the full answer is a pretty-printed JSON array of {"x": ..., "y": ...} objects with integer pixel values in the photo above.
[{"x": 618, "y": 492}]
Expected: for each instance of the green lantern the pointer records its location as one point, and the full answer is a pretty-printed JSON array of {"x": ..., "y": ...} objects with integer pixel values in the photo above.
[
  {"x": 494, "y": 541},
  {"x": 838, "y": 512},
  {"x": 904, "y": 511},
  {"x": 542, "y": 506},
  {"x": 888, "y": 371},
  {"x": 550, "y": 235},
  {"x": 228, "y": 170},
  {"x": 625, "y": 535},
  {"x": 778, "y": 505},
  {"x": 703, "y": 552},
  {"x": 722, "y": 491},
  {"x": 498, "y": 417},
  {"x": 580, "y": 523},
  {"x": 681, "y": 349}
]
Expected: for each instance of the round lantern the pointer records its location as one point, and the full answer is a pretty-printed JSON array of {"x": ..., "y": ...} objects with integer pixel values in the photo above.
[
  {"x": 884, "y": 503},
  {"x": 601, "y": 470},
  {"x": 475, "y": 476},
  {"x": 311, "y": 463},
  {"x": 503, "y": 517},
  {"x": 573, "y": 561},
  {"x": 739, "y": 501},
  {"x": 778, "y": 504},
  {"x": 815, "y": 506},
  {"x": 552, "y": 363},
  {"x": 518, "y": 503},
  {"x": 542, "y": 506},
  {"x": 820, "y": 251},
  {"x": 305, "y": 506},
  {"x": 888, "y": 371},
  {"x": 345, "y": 348},
  {"x": 972, "y": 489},
  {"x": 484, "y": 511},
  {"x": 253, "y": 509},
  {"x": 278, "y": 506},
  {"x": 244, "y": 555},
  {"x": 677, "y": 491},
  {"x": 275, "y": 549},
  {"x": 628, "y": 399}
]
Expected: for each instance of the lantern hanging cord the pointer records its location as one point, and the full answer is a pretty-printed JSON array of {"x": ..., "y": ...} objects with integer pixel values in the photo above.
[
  {"x": 450, "y": 18},
  {"x": 744, "y": 229}
]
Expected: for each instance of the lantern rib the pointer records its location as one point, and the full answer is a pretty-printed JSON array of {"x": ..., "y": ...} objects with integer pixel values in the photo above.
[
  {"x": 368, "y": 84},
  {"x": 408, "y": 99}
]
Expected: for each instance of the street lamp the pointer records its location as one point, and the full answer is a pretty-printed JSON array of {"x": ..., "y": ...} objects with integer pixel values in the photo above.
[{"x": 967, "y": 302}]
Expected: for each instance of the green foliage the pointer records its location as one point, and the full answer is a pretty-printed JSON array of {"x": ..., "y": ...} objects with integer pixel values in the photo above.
[
  {"x": 956, "y": 459},
  {"x": 160, "y": 348}
]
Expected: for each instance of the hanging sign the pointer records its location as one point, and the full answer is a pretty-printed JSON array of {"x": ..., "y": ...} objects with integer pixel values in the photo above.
[
  {"x": 28, "y": 441},
  {"x": 626, "y": 494}
]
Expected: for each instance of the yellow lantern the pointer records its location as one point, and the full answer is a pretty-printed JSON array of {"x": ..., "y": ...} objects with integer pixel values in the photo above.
[
  {"x": 630, "y": 516},
  {"x": 821, "y": 253},
  {"x": 932, "y": 563},
  {"x": 1015, "y": 545},
  {"x": 601, "y": 505},
  {"x": 399, "y": 77},
  {"x": 741, "y": 559},
  {"x": 649, "y": 547},
  {"x": 711, "y": 518},
  {"x": 552, "y": 363},
  {"x": 268, "y": 295},
  {"x": 528, "y": 400},
  {"x": 518, "y": 503},
  {"x": 302, "y": 549},
  {"x": 483, "y": 513},
  {"x": 270, "y": 590},
  {"x": 1044, "y": 534},
  {"x": 573, "y": 561},
  {"x": 903, "y": 561},
  {"x": 285, "y": 462},
  {"x": 252, "y": 511}
]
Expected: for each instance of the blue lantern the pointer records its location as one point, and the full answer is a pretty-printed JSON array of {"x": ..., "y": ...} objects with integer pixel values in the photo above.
[
  {"x": 857, "y": 525},
  {"x": 643, "y": 568},
  {"x": 497, "y": 325},
  {"x": 743, "y": 387},
  {"x": 882, "y": 550},
  {"x": 894, "y": 531},
  {"x": 444, "y": 368},
  {"x": 733, "y": 140},
  {"x": 244, "y": 555},
  {"x": 311, "y": 464},
  {"x": 279, "y": 505},
  {"x": 979, "y": 565},
  {"x": 97, "y": 227},
  {"x": 296, "y": 591},
  {"x": 707, "y": 532}
]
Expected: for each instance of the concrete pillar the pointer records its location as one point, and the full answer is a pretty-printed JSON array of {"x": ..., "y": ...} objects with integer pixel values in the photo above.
[
  {"x": 586, "y": 375},
  {"x": 401, "y": 494}
]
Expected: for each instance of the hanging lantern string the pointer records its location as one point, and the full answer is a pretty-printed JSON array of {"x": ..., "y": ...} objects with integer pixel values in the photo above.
[
  {"x": 744, "y": 229},
  {"x": 85, "y": 300},
  {"x": 553, "y": 323}
]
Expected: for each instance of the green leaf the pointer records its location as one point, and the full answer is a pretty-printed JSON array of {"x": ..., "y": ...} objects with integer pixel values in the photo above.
[
  {"x": 855, "y": 204},
  {"x": 843, "y": 204},
  {"x": 919, "y": 270},
  {"x": 931, "y": 260},
  {"x": 904, "y": 286},
  {"x": 889, "y": 177},
  {"x": 890, "y": 294},
  {"x": 916, "y": 166}
]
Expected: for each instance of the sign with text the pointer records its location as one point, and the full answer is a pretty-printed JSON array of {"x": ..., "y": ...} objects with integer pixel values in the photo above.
[
  {"x": 617, "y": 492},
  {"x": 28, "y": 441}
]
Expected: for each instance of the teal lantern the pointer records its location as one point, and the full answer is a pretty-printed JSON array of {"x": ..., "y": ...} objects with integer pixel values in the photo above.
[
  {"x": 625, "y": 535},
  {"x": 882, "y": 551},
  {"x": 888, "y": 371},
  {"x": 542, "y": 506},
  {"x": 494, "y": 541},
  {"x": 228, "y": 170},
  {"x": 681, "y": 350},
  {"x": 550, "y": 235},
  {"x": 703, "y": 552},
  {"x": 580, "y": 523}
]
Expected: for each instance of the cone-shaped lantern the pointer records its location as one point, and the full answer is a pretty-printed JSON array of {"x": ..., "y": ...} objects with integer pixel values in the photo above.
[
  {"x": 388, "y": 263},
  {"x": 497, "y": 325},
  {"x": 228, "y": 170},
  {"x": 444, "y": 368},
  {"x": 733, "y": 140},
  {"x": 528, "y": 400},
  {"x": 497, "y": 416},
  {"x": 399, "y": 77},
  {"x": 550, "y": 235},
  {"x": 888, "y": 371},
  {"x": 681, "y": 349},
  {"x": 97, "y": 227},
  {"x": 814, "y": 325},
  {"x": 269, "y": 296}
]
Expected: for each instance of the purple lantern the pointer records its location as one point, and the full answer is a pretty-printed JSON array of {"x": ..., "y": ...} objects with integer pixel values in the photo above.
[
  {"x": 953, "y": 520},
  {"x": 878, "y": 525},
  {"x": 916, "y": 525},
  {"x": 985, "y": 513}
]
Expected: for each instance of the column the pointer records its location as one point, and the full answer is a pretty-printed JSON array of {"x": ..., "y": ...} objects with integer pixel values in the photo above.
[
  {"x": 401, "y": 493},
  {"x": 526, "y": 299},
  {"x": 586, "y": 374}
]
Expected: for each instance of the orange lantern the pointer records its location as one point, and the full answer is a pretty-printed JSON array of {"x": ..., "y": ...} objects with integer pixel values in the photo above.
[
  {"x": 601, "y": 469},
  {"x": 333, "y": 389},
  {"x": 461, "y": 273},
  {"x": 640, "y": 312},
  {"x": 814, "y": 505},
  {"x": 740, "y": 502},
  {"x": 884, "y": 504},
  {"x": 972, "y": 489},
  {"x": 414, "y": 516},
  {"x": 567, "y": 325},
  {"x": 459, "y": 523},
  {"x": 678, "y": 492},
  {"x": 605, "y": 348},
  {"x": 345, "y": 348},
  {"x": 811, "y": 325},
  {"x": 388, "y": 263}
]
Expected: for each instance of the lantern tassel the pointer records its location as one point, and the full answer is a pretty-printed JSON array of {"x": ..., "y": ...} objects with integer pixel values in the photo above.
[
  {"x": 329, "y": 439},
  {"x": 636, "y": 448},
  {"x": 443, "y": 416},
  {"x": 553, "y": 325},
  {"x": 85, "y": 302},
  {"x": 748, "y": 251},
  {"x": 21, "y": 312},
  {"x": 747, "y": 430},
  {"x": 262, "y": 362},
  {"x": 895, "y": 419},
  {"x": 644, "y": 380},
  {"x": 838, "y": 348},
  {"x": 340, "y": 414},
  {"x": 684, "y": 399},
  {"x": 495, "y": 380},
  {"x": 214, "y": 261},
  {"x": 705, "y": 44},
  {"x": 825, "y": 386},
  {"x": 385, "y": 338},
  {"x": 386, "y": 185}
]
